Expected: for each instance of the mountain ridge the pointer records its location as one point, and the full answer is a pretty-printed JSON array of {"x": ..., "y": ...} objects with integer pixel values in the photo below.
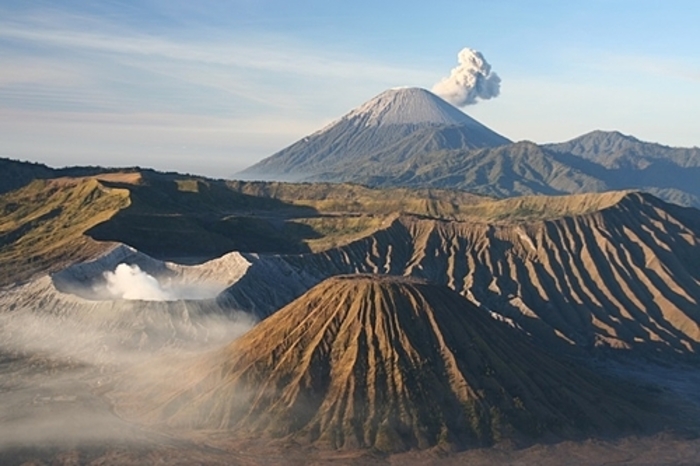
[
  {"x": 616, "y": 150},
  {"x": 453, "y": 151},
  {"x": 621, "y": 276},
  {"x": 615, "y": 270}
]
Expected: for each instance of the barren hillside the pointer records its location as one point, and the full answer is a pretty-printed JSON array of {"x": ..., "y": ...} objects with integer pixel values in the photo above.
[
  {"x": 386, "y": 363},
  {"x": 619, "y": 270}
]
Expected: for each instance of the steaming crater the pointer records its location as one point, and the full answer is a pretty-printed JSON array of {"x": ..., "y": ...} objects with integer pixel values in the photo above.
[
  {"x": 127, "y": 274},
  {"x": 174, "y": 307},
  {"x": 63, "y": 341}
]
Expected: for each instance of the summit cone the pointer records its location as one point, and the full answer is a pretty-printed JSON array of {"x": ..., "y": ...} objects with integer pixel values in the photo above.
[{"x": 393, "y": 127}]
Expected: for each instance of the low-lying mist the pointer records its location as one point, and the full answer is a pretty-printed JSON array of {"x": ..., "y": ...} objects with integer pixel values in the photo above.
[{"x": 56, "y": 366}]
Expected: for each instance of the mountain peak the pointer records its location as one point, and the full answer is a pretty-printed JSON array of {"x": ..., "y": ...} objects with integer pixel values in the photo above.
[
  {"x": 408, "y": 105},
  {"x": 610, "y": 136},
  {"x": 598, "y": 142},
  {"x": 389, "y": 363},
  {"x": 390, "y": 128}
]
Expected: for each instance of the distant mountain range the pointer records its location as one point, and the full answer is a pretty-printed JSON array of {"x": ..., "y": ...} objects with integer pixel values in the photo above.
[{"x": 410, "y": 137}]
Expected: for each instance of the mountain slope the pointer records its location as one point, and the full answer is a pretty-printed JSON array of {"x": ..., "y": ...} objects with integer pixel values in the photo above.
[
  {"x": 390, "y": 364},
  {"x": 42, "y": 225},
  {"x": 52, "y": 223},
  {"x": 15, "y": 174},
  {"x": 521, "y": 168},
  {"x": 407, "y": 121},
  {"x": 624, "y": 162},
  {"x": 615, "y": 270},
  {"x": 613, "y": 149},
  {"x": 593, "y": 163},
  {"x": 409, "y": 137}
]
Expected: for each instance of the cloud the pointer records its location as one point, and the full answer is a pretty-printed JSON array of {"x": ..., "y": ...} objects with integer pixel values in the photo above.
[
  {"x": 263, "y": 52},
  {"x": 261, "y": 90},
  {"x": 470, "y": 81},
  {"x": 122, "y": 69}
]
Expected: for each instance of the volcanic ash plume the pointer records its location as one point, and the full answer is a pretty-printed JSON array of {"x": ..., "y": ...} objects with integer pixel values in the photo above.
[{"x": 471, "y": 80}]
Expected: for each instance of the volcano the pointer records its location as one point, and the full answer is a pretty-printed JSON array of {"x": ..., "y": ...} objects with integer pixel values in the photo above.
[
  {"x": 391, "y": 364},
  {"x": 393, "y": 127}
]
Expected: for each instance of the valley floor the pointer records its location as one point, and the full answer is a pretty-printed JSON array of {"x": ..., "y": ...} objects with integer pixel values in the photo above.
[{"x": 54, "y": 413}]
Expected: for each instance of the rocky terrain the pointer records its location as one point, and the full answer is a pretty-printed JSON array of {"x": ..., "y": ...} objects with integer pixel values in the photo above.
[
  {"x": 390, "y": 363},
  {"x": 125, "y": 284},
  {"x": 616, "y": 271}
]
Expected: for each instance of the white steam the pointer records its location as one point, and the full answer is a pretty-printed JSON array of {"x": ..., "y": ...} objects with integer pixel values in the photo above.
[
  {"x": 470, "y": 81},
  {"x": 130, "y": 282}
]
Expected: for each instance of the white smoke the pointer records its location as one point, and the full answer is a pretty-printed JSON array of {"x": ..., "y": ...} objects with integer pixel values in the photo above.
[
  {"x": 471, "y": 80},
  {"x": 130, "y": 282}
]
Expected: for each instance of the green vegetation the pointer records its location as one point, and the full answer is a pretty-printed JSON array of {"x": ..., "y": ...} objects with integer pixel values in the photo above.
[{"x": 531, "y": 208}]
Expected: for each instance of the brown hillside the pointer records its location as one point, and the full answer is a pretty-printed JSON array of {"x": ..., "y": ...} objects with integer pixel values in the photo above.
[
  {"x": 623, "y": 272},
  {"x": 387, "y": 363},
  {"x": 42, "y": 225}
]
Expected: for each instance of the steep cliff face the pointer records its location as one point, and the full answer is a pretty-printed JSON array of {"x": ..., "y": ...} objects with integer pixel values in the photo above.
[
  {"x": 388, "y": 363},
  {"x": 624, "y": 274}
]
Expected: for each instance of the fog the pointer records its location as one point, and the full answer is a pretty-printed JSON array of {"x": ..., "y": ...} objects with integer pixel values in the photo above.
[{"x": 55, "y": 367}]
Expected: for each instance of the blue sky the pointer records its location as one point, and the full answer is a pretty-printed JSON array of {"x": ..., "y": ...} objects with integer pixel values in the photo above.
[{"x": 211, "y": 87}]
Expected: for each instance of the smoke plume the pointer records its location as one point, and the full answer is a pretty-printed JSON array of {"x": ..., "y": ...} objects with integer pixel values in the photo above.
[
  {"x": 469, "y": 81},
  {"x": 130, "y": 282}
]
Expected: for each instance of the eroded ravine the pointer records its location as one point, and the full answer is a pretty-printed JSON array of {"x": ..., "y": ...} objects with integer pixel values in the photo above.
[{"x": 626, "y": 276}]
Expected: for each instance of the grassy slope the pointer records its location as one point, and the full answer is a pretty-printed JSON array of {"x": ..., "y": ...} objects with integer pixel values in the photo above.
[
  {"x": 42, "y": 224},
  {"x": 49, "y": 223},
  {"x": 183, "y": 216}
]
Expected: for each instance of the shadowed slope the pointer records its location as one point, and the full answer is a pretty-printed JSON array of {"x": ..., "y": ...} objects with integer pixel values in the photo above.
[
  {"x": 49, "y": 224},
  {"x": 391, "y": 364},
  {"x": 14, "y": 174},
  {"x": 613, "y": 149}
]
